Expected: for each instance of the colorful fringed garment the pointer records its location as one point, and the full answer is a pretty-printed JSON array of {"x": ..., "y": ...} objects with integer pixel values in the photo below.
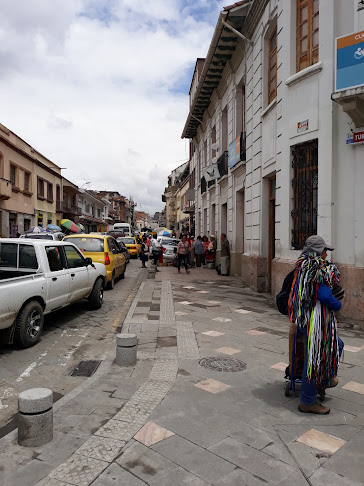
[{"x": 306, "y": 311}]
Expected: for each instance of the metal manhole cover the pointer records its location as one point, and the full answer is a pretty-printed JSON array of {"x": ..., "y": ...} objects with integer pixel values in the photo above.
[
  {"x": 85, "y": 368},
  {"x": 219, "y": 363}
]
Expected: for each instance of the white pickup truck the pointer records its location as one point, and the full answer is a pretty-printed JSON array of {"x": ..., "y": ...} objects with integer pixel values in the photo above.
[{"x": 38, "y": 277}]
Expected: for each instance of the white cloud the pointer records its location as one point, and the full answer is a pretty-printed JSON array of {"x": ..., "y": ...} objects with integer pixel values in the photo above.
[{"x": 92, "y": 85}]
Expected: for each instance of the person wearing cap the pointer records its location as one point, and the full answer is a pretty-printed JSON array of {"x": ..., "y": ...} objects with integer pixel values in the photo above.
[{"x": 311, "y": 307}]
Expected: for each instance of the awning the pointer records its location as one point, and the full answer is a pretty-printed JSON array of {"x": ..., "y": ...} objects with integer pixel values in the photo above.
[{"x": 90, "y": 219}]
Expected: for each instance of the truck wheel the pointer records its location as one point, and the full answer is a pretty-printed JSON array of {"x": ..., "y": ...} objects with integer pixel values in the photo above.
[
  {"x": 111, "y": 284},
  {"x": 97, "y": 295},
  {"x": 29, "y": 325}
]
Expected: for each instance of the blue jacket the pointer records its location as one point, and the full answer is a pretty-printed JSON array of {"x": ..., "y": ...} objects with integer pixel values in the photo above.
[
  {"x": 324, "y": 295},
  {"x": 198, "y": 248}
]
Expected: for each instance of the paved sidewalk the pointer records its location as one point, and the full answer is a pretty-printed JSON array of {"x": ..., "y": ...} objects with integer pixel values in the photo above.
[{"x": 172, "y": 420}]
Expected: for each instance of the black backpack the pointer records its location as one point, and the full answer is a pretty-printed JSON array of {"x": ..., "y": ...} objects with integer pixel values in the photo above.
[{"x": 283, "y": 296}]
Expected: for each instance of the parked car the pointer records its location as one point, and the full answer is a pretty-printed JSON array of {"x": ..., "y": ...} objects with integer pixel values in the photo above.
[
  {"x": 169, "y": 246},
  {"x": 124, "y": 249},
  {"x": 38, "y": 277},
  {"x": 102, "y": 249},
  {"x": 131, "y": 244},
  {"x": 55, "y": 236}
]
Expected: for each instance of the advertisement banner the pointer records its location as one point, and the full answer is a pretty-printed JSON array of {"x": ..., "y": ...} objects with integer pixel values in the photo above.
[{"x": 349, "y": 72}]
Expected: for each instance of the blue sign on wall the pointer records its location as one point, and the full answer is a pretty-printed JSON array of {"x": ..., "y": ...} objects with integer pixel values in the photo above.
[{"x": 349, "y": 61}]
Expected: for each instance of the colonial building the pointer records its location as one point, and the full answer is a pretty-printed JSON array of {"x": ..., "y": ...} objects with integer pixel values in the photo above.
[
  {"x": 92, "y": 210},
  {"x": 17, "y": 185},
  {"x": 269, "y": 157},
  {"x": 47, "y": 181}
]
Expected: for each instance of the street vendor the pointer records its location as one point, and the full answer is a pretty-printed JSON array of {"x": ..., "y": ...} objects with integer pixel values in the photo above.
[{"x": 311, "y": 307}]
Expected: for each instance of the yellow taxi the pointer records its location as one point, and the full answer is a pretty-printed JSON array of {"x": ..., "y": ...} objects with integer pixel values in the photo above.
[
  {"x": 131, "y": 244},
  {"x": 102, "y": 249}
]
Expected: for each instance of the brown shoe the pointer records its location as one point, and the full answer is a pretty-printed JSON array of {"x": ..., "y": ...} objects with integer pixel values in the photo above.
[
  {"x": 334, "y": 381},
  {"x": 315, "y": 408}
]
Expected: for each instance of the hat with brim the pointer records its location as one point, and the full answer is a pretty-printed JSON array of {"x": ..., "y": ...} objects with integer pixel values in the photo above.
[{"x": 317, "y": 244}]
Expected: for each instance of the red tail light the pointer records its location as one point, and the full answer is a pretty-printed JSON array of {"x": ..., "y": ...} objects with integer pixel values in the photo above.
[
  {"x": 133, "y": 247},
  {"x": 107, "y": 259}
]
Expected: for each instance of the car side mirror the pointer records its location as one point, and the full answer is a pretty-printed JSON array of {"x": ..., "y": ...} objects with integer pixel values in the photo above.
[{"x": 88, "y": 261}]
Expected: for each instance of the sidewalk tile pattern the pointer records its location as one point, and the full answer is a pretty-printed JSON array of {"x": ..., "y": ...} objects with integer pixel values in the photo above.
[
  {"x": 101, "y": 448},
  {"x": 253, "y": 332},
  {"x": 280, "y": 366},
  {"x": 152, "y": 433},
  {"x": 352, "y": 349},
  {"x": 354, "y": 387},
  {"x": 321, "y": 441},
  {"x": 227, "y": 350},
  {"x": 212, "y": 386},
  {"x": 186, "y": 341},
  {"x": 242, "y": 311},
  {"x": 79, "y": 470},
  {"x": 213, "y": 333},
  {"x": 221, "y": 319}
]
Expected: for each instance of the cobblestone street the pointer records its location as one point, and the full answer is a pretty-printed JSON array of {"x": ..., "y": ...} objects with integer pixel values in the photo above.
[{"x": 176, "y": 418}]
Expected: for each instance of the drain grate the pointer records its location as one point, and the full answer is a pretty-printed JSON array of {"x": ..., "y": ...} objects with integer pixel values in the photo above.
[
  {"x": 220, "y": 363},
  {"x": 85, "y": 368}
]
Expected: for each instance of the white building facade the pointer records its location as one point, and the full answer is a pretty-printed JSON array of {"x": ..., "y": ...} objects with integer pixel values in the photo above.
[{"x": 263, "y": 108}]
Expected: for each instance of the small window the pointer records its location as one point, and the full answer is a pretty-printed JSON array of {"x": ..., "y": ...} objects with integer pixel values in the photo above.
[
  {"x": 13, "y": 175},
  {"x": 54, "y": 258},
  {"x": 40, "y": 188},
  {"x": 26, "y": 181},
  {"x": 307, "y": 33},
  {"x": 27, "y": 257},
  {"x": 49, "y": 192},
  {"x": 73, "y": 257},
  {"x": 8, "y": 255},
  {"x": 272, "y": 73}
]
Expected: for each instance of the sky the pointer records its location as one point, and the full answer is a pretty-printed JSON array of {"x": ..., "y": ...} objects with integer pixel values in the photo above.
[{"x": 100, "y": 87}]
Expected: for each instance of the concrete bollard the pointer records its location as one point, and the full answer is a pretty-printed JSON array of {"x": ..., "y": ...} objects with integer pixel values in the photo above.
[
  {"x": 35, "y": 417},
  {"x": 126, "y": 349}
]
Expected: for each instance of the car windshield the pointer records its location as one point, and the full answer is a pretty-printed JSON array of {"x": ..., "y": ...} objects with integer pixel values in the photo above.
[
  {"x": 94, "y": 245},
  {"x": 39, "y": 236},
  {"x": 128, "y": 241}
]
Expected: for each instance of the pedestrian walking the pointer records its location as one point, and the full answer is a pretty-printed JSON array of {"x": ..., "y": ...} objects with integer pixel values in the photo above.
[
  {"x": 198, "y": 251},
  {"x": 205, "y": 244},
  {"x": 155, "y": 250},
  {"x": 311, "y": 308},
  {"x": 225, "y": 255},
  {"x": 192, "y": 251},
  {"x": 182, "y": 254},
  {"x": 211, "y": 251},
  {"x": 143, "y": 253}
]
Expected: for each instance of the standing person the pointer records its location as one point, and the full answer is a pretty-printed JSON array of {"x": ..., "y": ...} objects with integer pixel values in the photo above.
[
  {"x": 192, "y": 251},
  {"x": 182, "y": 254},
  {"x": 198, "y": 251},
  {"x": 211, "y": 250},
  {"x": 311, "y": 308},
  {"x": 156, "y": 250},
  {"x": 205, "y": 244},
  {"x": 225, "y": 255},
  {"x": 143, "y": 253}
]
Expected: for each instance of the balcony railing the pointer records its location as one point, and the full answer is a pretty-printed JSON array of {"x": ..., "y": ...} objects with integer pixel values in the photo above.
[
  {"x": 71, "y": 209},
  {"x": 5, "y": 189}
]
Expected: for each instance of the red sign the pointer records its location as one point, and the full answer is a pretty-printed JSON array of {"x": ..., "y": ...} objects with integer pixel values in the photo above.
[{"x": 358, "y": 137}]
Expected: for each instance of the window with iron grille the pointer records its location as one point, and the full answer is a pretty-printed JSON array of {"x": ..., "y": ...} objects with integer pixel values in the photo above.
[
  {"x": 307, "y": 33},
  {"x": 305, "y": 189},
  {"x": 40, "y": 188},
  {"x": 13, "y": 175},
  {"x": 49, "y": 192}
]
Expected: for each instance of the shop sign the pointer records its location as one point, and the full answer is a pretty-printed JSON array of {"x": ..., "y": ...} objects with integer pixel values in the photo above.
[
  {"x": 302, "y": 126},
  {"x": 358, "y": 137},
  {"x": 349, "y": 69},
  {"x": 234, "y": 151},
  {"x": 349, "y": 138}
]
